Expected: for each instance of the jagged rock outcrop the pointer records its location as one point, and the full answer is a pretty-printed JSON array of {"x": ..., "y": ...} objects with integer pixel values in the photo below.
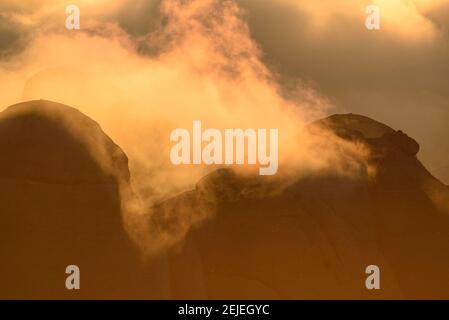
[{"x": 315, "y": 238}]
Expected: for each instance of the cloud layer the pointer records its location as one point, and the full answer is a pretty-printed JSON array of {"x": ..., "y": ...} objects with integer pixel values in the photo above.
[
  {"x": 398, "y": 75},
  {"x": 143, "y": 68}
]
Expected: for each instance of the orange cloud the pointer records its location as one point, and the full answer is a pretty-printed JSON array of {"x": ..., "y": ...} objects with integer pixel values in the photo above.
[{"x": 207, "y": 68}]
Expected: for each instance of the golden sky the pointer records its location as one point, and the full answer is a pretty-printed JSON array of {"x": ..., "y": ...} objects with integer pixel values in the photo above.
[{"x": 397, "y": 75}]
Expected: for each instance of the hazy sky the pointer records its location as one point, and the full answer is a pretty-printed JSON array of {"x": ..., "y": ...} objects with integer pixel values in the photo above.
[{"x": 398, "y": 75}]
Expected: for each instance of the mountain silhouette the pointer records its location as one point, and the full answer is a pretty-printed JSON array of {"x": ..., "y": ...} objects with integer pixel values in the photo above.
[
  {"x": 312, "y": 238},
  {"x": 315, "y": 239},
  {"x": 59, "y": 207}
]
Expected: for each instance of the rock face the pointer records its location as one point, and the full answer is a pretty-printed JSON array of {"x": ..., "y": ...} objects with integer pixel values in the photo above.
[
  {"x": 59, "y": 207},
  {"x": 356, "y": 125},
  {"x": 315, "y": 239},
  {"x": 50, "y": 142}
]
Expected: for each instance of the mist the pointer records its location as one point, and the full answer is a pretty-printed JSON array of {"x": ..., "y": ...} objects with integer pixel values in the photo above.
[
  {"x": 397, "y": 75},
  {"x": 197, "y": 61}
]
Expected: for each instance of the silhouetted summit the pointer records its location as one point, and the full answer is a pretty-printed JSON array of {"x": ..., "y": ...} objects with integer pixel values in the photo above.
[
  {"x": 316, "y": 237},
  {"x": 59, "y": 207}
]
